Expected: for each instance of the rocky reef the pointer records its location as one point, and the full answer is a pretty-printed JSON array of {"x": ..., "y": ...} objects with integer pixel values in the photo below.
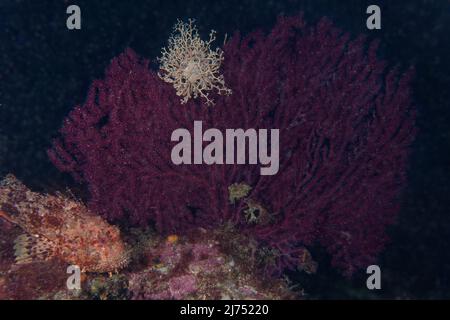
[{"x": 197, "y": 266}]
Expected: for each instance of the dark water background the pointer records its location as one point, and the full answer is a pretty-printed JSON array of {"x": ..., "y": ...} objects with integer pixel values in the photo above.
[{"x": 46, "y": 69}]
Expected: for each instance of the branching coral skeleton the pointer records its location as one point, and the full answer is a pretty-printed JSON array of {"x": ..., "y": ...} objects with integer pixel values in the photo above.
[
  {"x": 190, "y": 65},
  {"x": 345, "y": 126}
]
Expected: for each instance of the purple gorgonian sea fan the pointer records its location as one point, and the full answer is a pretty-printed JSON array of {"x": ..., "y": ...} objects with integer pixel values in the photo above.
[{"x": 346, "y": 124}]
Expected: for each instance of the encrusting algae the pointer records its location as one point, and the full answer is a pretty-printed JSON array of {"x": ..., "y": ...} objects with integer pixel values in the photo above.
[
  {"x": 58, "y": 230},
  {"x": 58, "y": 227}
]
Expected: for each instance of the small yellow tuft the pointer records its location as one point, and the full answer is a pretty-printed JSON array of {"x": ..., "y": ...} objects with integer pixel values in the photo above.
[
  {"x": 172, "y": 239},
  {"x": 190, "y": 65},
  {"x": 237, "y": 191}
]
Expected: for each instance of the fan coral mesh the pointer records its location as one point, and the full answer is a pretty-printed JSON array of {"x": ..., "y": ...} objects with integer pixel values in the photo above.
[
  {"x": 345, "y": 127},
  {"x": 190, "y": 65}
]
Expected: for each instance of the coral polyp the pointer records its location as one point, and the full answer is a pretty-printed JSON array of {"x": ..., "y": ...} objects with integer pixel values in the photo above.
[{"x": 190, "y": 65}]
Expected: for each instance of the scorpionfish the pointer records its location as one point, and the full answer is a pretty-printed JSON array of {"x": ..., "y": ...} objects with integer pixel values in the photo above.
[{"x": 56, "y": 226}]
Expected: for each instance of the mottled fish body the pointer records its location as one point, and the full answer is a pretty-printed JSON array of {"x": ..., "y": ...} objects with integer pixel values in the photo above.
[{"x": 58, "y": 226}]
